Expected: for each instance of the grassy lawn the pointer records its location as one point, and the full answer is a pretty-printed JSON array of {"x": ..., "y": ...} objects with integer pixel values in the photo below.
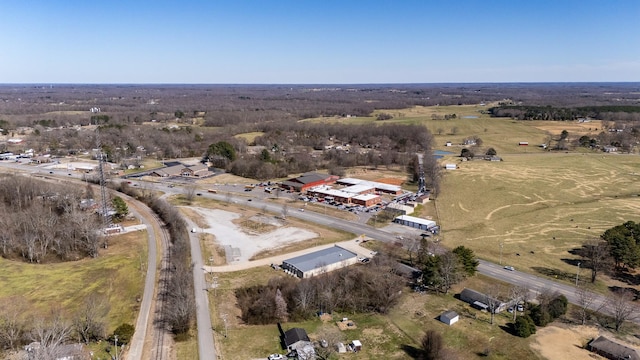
[
  {"x": 117, "y": 275},
  {"x": 249, "y": 137}
]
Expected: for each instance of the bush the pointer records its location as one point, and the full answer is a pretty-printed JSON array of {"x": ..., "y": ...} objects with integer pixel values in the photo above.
[
  {"x": 558, "y": 307},
  {"x": 124, "y": 333},
  {"x": 524, "y": 326}
]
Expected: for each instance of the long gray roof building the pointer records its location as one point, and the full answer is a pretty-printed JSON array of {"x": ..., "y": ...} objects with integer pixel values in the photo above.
[{"x": 320, "y": 261}]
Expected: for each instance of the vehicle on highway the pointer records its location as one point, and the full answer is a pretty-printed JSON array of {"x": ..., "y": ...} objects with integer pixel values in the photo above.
[
  {"x": 510, "y": 268},
  {"x": 199, "y": 194},
  {"x": 213, "y": 191},
  {"x": 276, "y": 357},
  {"x": 172, "y": 185}
]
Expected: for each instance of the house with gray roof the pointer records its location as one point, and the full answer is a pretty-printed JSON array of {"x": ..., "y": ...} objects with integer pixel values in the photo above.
[
  {"x": 319, "y": 262},
  {"x": 613, "y": 350}
]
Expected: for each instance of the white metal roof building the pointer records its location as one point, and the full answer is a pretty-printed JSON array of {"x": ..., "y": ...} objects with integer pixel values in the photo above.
[
  {"x": 415, "y": 222},
  {"x": 319, "y": 262},
  {"x": 378, "y": 186}
]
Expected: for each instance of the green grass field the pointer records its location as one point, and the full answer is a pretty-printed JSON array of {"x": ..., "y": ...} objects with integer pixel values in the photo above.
[{"x": 116, "y": 274}]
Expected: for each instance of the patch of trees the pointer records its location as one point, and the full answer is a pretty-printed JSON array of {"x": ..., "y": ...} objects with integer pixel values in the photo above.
[
  {"x": 45, "y": 222},
  {"x": 530, "y": 112},
  {"x": 441, "y": 271},
  {"x": 287, "y": 148},
  {"x": 549, "y": 308},
  {"x": 624, "y": 244},
  {"x": 371, "y": 288},
  {"x": 19, "y": 326},
  {"x": 180, "y": 307}
]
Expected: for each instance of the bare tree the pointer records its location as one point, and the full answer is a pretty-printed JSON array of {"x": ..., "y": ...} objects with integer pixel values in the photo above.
[
  {"x": 432, "y": 345},
  {"x": 12, "y": 322},
  {"x": 517, "y": 294},
  {"x": 304, "y": 295},
  {"x": 586, "y": 299},
  {"x": 88, "y": 321},
  {"x": 51, "y": 334},
  {"x": 190, "y": 192},
  {"x": 619, "y": 302},
  {"x": 492, "y": 299},
  {"x": 597, "y": 256},
  {"x": 450, "y": 271}
]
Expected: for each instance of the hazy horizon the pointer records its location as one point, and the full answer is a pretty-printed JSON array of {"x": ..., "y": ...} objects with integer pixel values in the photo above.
[{"x": 318, "y": 42}]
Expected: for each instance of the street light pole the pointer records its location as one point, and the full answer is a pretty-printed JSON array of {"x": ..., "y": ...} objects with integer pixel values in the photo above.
[
  {"x": 578, "y": 273},
  {"x": 224, "y": 319}
]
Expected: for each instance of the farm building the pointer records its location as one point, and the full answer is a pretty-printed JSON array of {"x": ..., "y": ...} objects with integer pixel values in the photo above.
[
  {"x": 319, "y": 262},
  {"x": 306, "y": 181},
  {"x": 523, "y": 143},
  {"x": 414, "y": 222},
  {"x": 609, "y": 149},
  {"x": 612, "y": 350},
  {"x": 482, "y": 301},
  {"x": 449, "y": 317},
  {"x": 450, "y": 166}
]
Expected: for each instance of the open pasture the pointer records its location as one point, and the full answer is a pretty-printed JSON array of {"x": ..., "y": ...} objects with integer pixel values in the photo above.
[
  {"x": 117, "y": 273},
  {"x": 537, "y": 205}
]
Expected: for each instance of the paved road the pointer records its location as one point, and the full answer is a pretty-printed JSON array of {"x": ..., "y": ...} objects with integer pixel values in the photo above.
[
  {"x": 137, "y": 342},
  {"x": 206, "y": 347},
  {"x": 533, "y": 282}
]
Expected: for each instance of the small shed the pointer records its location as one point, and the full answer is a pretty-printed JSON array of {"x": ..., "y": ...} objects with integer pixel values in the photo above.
[
  {"x": 341, "y": 348},
  {"x": 356, "y": 345},
  {"x": 449, "y": 317},
  {"x": 450, "y": 166}
]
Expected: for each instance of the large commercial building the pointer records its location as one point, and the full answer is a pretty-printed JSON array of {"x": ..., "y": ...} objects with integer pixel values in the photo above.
[
  {"x": 306, "y": 181},
  {"x": 319, "y": 262},
  {"x": 377, "y": 186}
]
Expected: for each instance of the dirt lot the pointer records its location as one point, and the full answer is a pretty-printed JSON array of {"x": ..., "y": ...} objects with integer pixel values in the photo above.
[
  {"x": 560, "y": 342},
  {"x": 221, "y": 225}
]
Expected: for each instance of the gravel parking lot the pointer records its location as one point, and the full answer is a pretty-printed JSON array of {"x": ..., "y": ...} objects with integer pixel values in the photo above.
[{"x": 229, "y": 234}]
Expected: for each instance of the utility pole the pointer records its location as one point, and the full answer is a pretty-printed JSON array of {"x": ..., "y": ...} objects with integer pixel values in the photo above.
[
  {"x": 578, "y": 274},
  {"x": 224, "y": 319},
  {"x": 116, "y": 340}
]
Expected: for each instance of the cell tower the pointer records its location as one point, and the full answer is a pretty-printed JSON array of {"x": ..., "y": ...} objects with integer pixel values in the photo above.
[
  {"x": 106, "y": 219},
  {"x": 421, "y": 179}
]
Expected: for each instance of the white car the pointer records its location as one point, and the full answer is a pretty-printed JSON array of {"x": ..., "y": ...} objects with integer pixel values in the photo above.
[
  {"x": 276, "y": 357},
  {"x": 510, "y": 268}
]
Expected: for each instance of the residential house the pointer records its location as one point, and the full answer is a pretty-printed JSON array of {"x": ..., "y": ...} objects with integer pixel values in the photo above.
[{"x": 613, "y": 350}]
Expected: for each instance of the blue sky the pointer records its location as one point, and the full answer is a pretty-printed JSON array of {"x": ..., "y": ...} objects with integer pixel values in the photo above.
[{"x": 321, "y": 41}]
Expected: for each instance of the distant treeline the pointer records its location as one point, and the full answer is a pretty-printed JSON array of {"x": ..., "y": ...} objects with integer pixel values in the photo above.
[{"x": 529, "y": 112}]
